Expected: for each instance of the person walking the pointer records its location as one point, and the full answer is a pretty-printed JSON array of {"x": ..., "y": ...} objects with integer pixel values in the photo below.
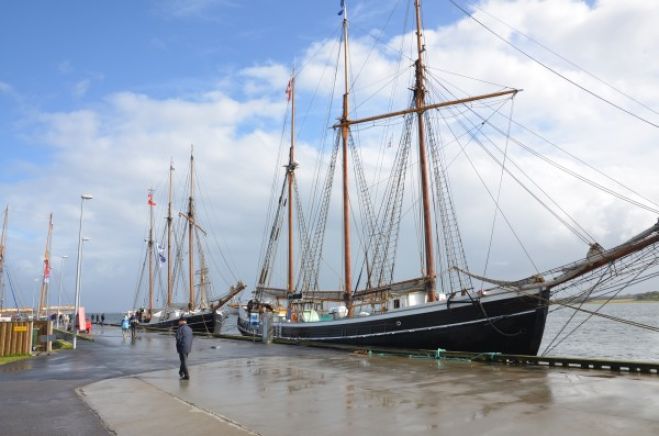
[
  {"x": 133, "y": 327},
  {"x": 183, "y": 347},
  {"x": 125, "y": 325},
  {"x": 102, "y": 319}
]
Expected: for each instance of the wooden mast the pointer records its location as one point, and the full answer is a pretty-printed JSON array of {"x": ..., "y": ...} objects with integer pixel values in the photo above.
[
  {"x": 420, "y": 101},
  {"x": 419, "y": 108},
  {"x": 169, "y": 237},
  {"x": 191, "y": 233},
  {"x": 291, "y": 175},
  {"x": 151, "y": 204},
  {"x": 43, "y": 298},
  {"x": 3, "y": 242},
  {"x": 203, "y": 282},
  {"x": 345, "y": 132}
]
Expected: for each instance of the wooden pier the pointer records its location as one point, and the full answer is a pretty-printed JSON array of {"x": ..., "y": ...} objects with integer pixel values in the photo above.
[{"x": 629, "y": 366}]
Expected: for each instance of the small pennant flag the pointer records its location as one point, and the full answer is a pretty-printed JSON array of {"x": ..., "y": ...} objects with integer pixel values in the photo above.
[
  {"x": 149, "y": 200},
  {"x": 343, "y": 7},
  {"x": 46, "y": 271},
  {"x": 161, "y": 255},
  {"x": 289, "y": 90}
]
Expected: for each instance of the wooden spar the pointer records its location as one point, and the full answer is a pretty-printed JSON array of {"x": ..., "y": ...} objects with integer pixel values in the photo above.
[
  {"x": 425, "y": 108},
  {"x": 191, "y": 233},
  {"x": 233, "y": 291},
  {"x": 291, "y": 170},
  {"x": 419, "y": 101},
  {"x": 151, "y": 204},
  {"x": 169, "y": 238},
  {"x": 345, "y": 131},
  {"x": 43, "y": 295},
  {"x": 3, "y": 242},
  {"x": 590, "y": 263}
]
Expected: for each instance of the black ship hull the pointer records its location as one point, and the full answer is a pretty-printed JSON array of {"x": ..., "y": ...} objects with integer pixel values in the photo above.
[
  {"x": 205, "y": 322},
  {"x": 511, "y": 325}
]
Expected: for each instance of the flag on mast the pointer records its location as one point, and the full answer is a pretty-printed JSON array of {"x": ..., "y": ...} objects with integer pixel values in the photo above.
[
  {"x": 343, "y": 7},
  {"x": 289, "y": 89},
  {"x": 149, "y": 200},
  {"x": 46, "y": 271},
  {"x": 161, "y": 255}
]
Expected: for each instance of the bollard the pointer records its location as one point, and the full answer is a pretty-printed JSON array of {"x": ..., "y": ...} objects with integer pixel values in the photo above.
[
  {"x": 218, "y": 317},
  {"x": 266, "y": 327}
]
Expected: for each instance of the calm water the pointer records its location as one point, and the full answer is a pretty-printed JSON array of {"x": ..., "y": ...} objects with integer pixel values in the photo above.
[{"x": 598, "y": 337}]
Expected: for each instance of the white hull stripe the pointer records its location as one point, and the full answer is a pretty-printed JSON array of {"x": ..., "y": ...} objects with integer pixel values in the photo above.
[{"x": 398, "y": 332}]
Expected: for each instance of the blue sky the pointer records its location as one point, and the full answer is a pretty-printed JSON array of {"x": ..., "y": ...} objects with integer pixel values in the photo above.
[
  {"x": 61, "y": 56},
  {"x": 97, "y": 96}
]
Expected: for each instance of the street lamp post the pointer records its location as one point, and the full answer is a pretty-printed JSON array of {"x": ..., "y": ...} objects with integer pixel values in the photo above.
[
  {"x": 83, "y": 197},
  {"x": 59, "y": 290}
]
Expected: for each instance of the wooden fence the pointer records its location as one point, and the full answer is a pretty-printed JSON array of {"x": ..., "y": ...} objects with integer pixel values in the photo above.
[{"x": 15, "y": 338}]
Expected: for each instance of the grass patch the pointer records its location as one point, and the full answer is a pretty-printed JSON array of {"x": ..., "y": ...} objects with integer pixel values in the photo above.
[
  {"x": 9, "y": 359},
  {"x": 61, "y": 344}
]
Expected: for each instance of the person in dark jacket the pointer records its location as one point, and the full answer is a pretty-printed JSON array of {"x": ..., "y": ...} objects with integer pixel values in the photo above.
[{"x": 183, "y": 347}]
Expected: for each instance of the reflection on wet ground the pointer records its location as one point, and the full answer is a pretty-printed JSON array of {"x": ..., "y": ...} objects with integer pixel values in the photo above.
[{"x": 283, "y": 390}]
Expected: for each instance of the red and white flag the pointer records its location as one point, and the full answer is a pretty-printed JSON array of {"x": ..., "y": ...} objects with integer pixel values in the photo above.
[
  {"x": 149, "y": 200},
  {"x": 289, "y": 90},
  {"x": 46, "y": 271}
]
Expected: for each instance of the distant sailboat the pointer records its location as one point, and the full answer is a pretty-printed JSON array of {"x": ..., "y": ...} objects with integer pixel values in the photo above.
[
  {"x": 3, "y": 251},
  {"x": 42, "y": 311},
  {"x": 203, "y": 315},
  {"x": 440, "y": 308}
]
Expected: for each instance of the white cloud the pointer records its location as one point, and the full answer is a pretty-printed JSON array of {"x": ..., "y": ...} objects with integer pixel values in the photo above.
[
  {"x": 119, "y": 147},
  {"x": 5, "y": 88},
  {"x": 81, "y": 88},
  {"x": 65, "y": 67}
]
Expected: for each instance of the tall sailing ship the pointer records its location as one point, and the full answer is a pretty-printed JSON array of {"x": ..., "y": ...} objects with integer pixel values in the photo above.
[
  {"x": 441, "y": 308},
  {"x": 202, "y": 314}
]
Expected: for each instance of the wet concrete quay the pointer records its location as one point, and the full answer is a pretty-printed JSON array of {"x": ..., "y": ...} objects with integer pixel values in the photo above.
[{"x": 240, "y": 387}]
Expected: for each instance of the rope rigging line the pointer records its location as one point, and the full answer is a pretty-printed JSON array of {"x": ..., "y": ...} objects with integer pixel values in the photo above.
[
  {"x": 211, "y": 217},
  {"x": 139, "y": 280},
  {"x": 389, "y": 216},
  {"x": 303, "y": 232},
  {"x": 549, "y": 347},
  {"x": 11, "y": 286},
  {"x": 314, "y": 187},
  {"x": 575, "y": 227},
  {"x": 269, "y": 258},
  {"x": 583, "y": 162},
  {"x": 480, "y": 178},
  {"x": 619, "y": 274},
  {"x": 553, "y": 71},
  {"x": 270, "y": 210},
  {"x": 312, "y": 261},
  {"x": 494, "y": 215},
  {"x": 563, "y": 58},
  {"x": 454, "y": 247}
]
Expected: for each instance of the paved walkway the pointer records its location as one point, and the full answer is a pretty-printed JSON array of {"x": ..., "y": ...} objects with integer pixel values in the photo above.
[
  {"x": 240, "y": 388},
  {"x": 131, "y": 406}
]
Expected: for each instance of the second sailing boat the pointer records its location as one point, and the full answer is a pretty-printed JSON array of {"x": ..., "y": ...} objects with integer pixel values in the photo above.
[{"x": 201, "y": 314}]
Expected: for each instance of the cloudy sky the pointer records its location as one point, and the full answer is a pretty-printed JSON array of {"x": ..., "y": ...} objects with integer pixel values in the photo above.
[{"x": 98, "y": 97}]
